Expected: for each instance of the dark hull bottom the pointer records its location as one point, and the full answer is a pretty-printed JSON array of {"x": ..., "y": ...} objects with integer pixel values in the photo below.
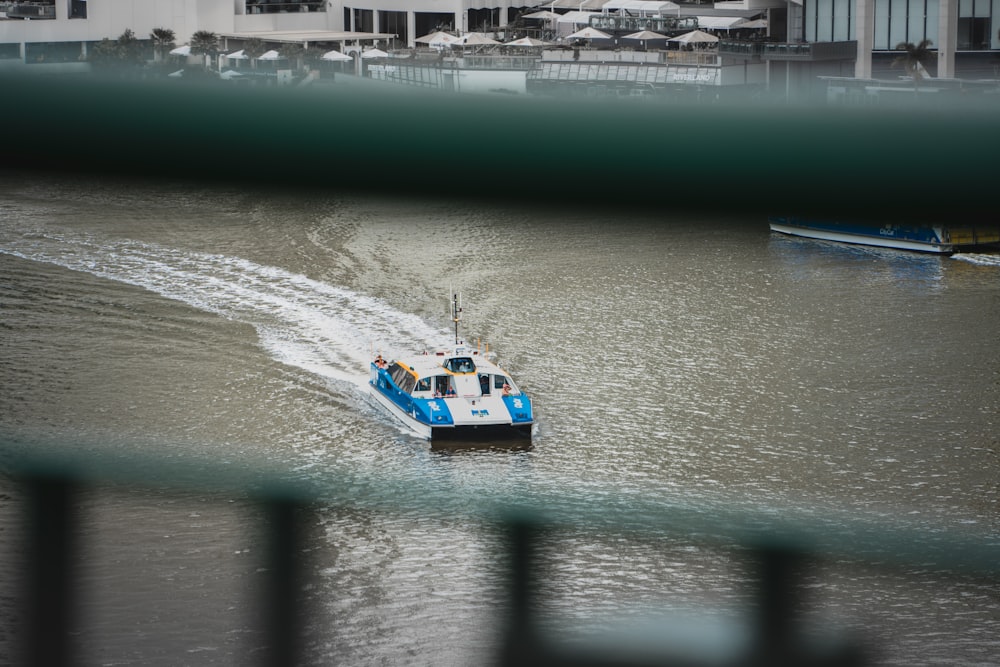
[{"x": 485, "y": 433}]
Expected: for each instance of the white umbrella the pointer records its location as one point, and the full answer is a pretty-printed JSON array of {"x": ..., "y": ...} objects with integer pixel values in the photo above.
[
  {"x": 238, "y": 55},
  {"x": 374, "y": 53},
  {"x": 589, "y": 33},
  {"x": 645, "y": 35},
  {"x": 756, "y": 23},
  {"x": 229, "y": 74},
  {"x": 438, "y": 38},
  {"x": 269, "y": 55},
  {"x": 527, "y": 42},
  {"x": 544, "y": 14},
  {"x": 181, "y": 51},
  {"x": 477, "y": 39},
  {"x": 694, "y": 37},
  {"x": 335, "y": 56},
  {"x": 176, "y": 75}
]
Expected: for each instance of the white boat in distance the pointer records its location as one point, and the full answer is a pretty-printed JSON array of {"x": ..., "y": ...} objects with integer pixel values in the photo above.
[{"x": 455, "y": 392}]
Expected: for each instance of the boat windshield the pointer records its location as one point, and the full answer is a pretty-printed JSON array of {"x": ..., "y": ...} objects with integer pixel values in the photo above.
[{"x": 460, "y": 365}]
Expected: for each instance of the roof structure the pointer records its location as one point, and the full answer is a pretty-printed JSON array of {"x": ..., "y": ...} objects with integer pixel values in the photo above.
[
  {"x": 306, "y": 37},
  {"x": 720, "y": 22},
  {"x": 649, "y": 6}
]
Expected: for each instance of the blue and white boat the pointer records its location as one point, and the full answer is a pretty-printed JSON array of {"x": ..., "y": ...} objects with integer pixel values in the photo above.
[
  {"x": 926, "y": 238},
  {"x": 454, "y": 392}
]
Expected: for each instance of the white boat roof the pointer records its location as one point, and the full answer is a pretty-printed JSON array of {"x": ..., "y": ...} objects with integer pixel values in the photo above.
[{"x": 429, "y": 364}]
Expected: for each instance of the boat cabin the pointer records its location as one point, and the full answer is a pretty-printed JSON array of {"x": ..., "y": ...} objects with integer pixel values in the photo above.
[{"x": 431, "y": 377}]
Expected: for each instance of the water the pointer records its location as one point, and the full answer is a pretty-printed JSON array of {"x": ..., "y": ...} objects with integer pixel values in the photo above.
[{"x": 692, "y": 362}]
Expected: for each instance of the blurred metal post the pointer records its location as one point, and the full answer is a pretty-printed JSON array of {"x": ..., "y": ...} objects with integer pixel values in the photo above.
[
  {"x": 520, "y": 643},
  {"x": 282, "y": 609},
  {"x": 779, "y": 639},
  {"x": 50, "y": 564}
]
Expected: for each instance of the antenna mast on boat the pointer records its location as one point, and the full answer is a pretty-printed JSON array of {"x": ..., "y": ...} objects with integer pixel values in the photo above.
[{"x": 456, "y": 313}]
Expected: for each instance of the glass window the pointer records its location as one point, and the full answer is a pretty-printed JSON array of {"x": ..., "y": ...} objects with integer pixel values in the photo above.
[
  {"x": 824, "y": 31},
  {"x": 973, "y": 34},
  {"x": 364, "y": 20},
  {"x": 882, "y": 26},
  {"x": 841, "y": 19},
  {"x": 897, "y": 25},
  {"x": 423, "y": 384},
  {"x": 931, "y": 31},
  {"x": 460, "y": 365},
  {"x": 915, "y": 28}
]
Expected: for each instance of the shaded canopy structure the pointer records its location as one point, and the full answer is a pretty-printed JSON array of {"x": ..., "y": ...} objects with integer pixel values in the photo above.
[
  {"x": 645, "y": 35},
  {"x": 695, "y": 37},
  {"x": 528, "y": 42},
  {"x": 721, "y": 22},
  {"x": 476, "y": 39},
  {"x": 589, "y": 33},
  {"x": 439, "y": 38},
  {"x": 335, "y": 56}
]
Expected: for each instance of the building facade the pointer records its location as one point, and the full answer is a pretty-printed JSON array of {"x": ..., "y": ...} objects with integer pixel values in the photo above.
[{"x": 901, "y": 21}]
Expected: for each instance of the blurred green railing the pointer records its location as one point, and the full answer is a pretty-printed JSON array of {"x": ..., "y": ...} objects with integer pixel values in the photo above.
[
  {"x": 777, "y": 549},
  {"x": 748, "y": 158}
]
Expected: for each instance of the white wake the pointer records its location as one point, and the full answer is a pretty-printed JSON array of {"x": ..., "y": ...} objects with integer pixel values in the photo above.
[{"x": 321, "y": 328}]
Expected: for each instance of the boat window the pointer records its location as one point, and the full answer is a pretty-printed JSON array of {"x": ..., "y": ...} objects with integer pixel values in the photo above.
[
  {"x": 484, "y": 384},
  {"x": 442, "y": 383},
  {"x": 423, "y": 384},
  {"x": 402, "y": 377},
  {"x": 498, "y": 381},
  {"x": 397, "y": 373},
  {"x": 460, "y": 365}
]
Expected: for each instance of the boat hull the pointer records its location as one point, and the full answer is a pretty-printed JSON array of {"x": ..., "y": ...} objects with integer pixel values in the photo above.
[
  {"x": 460, "y": 418},
  {"x": 934, "y": 239}
]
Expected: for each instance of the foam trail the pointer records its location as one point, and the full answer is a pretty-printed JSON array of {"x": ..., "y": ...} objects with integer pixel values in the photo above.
[
  {"x": 321, "y": 328},
  {"x": 982, "y": 259}
]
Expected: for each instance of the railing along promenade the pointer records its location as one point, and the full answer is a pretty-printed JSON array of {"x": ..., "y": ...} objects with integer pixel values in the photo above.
[
  {"x": 790, "y": 50},
  {"x": 807, "y": 160}
]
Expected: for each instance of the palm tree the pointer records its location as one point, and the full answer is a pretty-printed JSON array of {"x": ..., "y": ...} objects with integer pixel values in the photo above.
[
  {"x": 130, "y": 49},
  {"x": 205, "y": 43},
  {"x": 915, "y": 59},
  {"x": 294, "y": 53},
  {"x": 123, "y": 54},
  {"x": 254, "y": 47},
  {"x": 163, "y": 40}
]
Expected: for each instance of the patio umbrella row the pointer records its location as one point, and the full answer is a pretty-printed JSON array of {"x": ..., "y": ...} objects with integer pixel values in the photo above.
[
  {"x": 440, "y": 38},
  {"x": 693, "y": 37},
  {"x": 275, "y": 55}
]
